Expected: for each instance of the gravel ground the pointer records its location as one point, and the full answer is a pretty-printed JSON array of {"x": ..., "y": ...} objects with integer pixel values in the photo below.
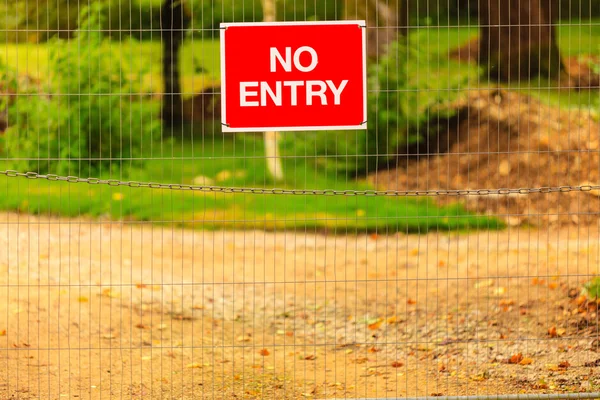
[{"x": 93, "y": 309}]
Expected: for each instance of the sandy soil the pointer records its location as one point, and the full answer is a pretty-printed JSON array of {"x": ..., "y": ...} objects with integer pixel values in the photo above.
[{"x": 92, "y": 309}]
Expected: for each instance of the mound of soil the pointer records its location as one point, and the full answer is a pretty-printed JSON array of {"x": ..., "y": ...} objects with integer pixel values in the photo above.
[{"x": 503, "y": 139}]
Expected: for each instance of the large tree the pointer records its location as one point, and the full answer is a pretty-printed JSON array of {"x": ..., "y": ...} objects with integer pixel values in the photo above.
[
  {"x": 386, "y": 19},
  {"x": 518, "y": 39}
]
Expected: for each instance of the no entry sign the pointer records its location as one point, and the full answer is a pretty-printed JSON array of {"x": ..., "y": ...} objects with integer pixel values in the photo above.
[{"x": 293, "y": 76}]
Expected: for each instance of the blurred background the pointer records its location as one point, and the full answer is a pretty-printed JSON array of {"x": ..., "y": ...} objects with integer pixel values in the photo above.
[{"x": 130, "y": 89}]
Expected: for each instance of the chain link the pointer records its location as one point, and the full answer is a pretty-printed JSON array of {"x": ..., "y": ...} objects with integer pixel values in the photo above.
[{"x": 315, "y": 192}]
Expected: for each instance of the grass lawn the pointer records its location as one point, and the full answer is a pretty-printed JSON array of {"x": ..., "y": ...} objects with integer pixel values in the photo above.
[
  {"x": 234, "y": 162},
  {"x": 240, "y": 161}
]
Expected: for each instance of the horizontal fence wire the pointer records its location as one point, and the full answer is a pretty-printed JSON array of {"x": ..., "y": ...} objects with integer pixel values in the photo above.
[{"x": 450, "y": 250}]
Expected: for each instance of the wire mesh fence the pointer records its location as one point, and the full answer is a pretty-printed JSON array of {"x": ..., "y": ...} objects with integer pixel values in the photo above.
[{"x": 449, "y": 249}]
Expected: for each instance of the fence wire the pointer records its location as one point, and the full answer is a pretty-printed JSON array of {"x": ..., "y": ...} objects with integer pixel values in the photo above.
[{"x": 450, "y": 250}]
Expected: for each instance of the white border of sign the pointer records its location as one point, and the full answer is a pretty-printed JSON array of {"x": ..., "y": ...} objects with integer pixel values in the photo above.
[{"x": 226, "y": 128}]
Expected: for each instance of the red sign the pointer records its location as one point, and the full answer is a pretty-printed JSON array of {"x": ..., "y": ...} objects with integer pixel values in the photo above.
[{"x": 293, "y": 76}]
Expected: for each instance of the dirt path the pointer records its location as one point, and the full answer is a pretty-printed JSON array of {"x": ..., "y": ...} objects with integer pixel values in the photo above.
[{"x": 104, "y": 310}]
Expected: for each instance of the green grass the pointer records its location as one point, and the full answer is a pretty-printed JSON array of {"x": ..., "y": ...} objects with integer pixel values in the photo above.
[
  {"x": 575, "y": 38},
  {"x": 230, "y": 163},
  {"x": 240, "y": 161}
]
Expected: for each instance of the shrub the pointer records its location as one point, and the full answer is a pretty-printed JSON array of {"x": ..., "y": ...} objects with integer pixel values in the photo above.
[
  {"x": 592, "y": 289},
  {"x": 410, "y": 92},
  {"x": 90, "y": 124}
]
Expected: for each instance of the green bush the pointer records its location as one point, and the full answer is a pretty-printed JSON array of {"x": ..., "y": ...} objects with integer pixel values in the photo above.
[
  {"x": 410, "y": 93},
  {"x": 91, "y": 124},
  {"x": 592, "y": 289},
  {"x": 40, "y": 20}
]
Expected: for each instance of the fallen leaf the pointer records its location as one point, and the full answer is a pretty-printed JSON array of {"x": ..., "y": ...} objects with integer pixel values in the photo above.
[
  {"x": 397, "y": 364},
  {"x": 141, "y": 326},
  {"x": 411, "y": 301},
  {"x": 392, "y": 320},
  {"x": 553, "y": 285},
  {"x": 194, "y": 365},
  {"x": 499, "y": 291},
  {"x": 3, "y": 332},
  {"x": 243, "y": 338},
  {"x": 507, "y": 302},
  {"x": 376, "y": 325},
  {"x": 264, "y": 352},
  {"x": 109, "y": 293},
  {"x": 441, "y": 263},
  {"x": 374, "y": 236},
  {"x": 515, "y": 358},
  {"x": 564, "y": 364},
  {"x": 483, "y": 284},
  {"x": 146, "y": 358},
  {"x": 141, "y": 285},
  {"x": 223, "y": 176},
  {"x": 526, "y": 361},
  {"x": 481, "y": 377},
  {"x": 552, "y": 332},
  {"x": 289, "y": 333},
  {"x": 374, "y": 350},
  {"x": 161, "y": 327},
  {"x": 198, "y": 307},
  {"x": 310, "y": 357}
]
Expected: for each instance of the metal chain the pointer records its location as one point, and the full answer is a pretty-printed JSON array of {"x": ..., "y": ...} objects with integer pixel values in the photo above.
[{"x": 318, "y": 192}]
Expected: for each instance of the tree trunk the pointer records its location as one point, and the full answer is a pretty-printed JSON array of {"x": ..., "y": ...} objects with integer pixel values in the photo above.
[
  {"x": 385, "y": 20},
  {"x": 174, "y": 22},
  {"x": 518, "y": 39},
  {"x": 273, "y": 160}
]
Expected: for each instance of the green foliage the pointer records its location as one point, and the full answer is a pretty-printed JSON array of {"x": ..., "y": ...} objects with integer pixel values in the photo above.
[
  {"x": 39, "y": 21},
  {"x": 592, "y": 288},
  {"x": 90, "y": 124},
  {"x": 410, "y": 93}
]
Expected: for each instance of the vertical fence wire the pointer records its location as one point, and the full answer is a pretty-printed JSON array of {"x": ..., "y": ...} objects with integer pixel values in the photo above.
[{"x": 450, "y": 250}]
